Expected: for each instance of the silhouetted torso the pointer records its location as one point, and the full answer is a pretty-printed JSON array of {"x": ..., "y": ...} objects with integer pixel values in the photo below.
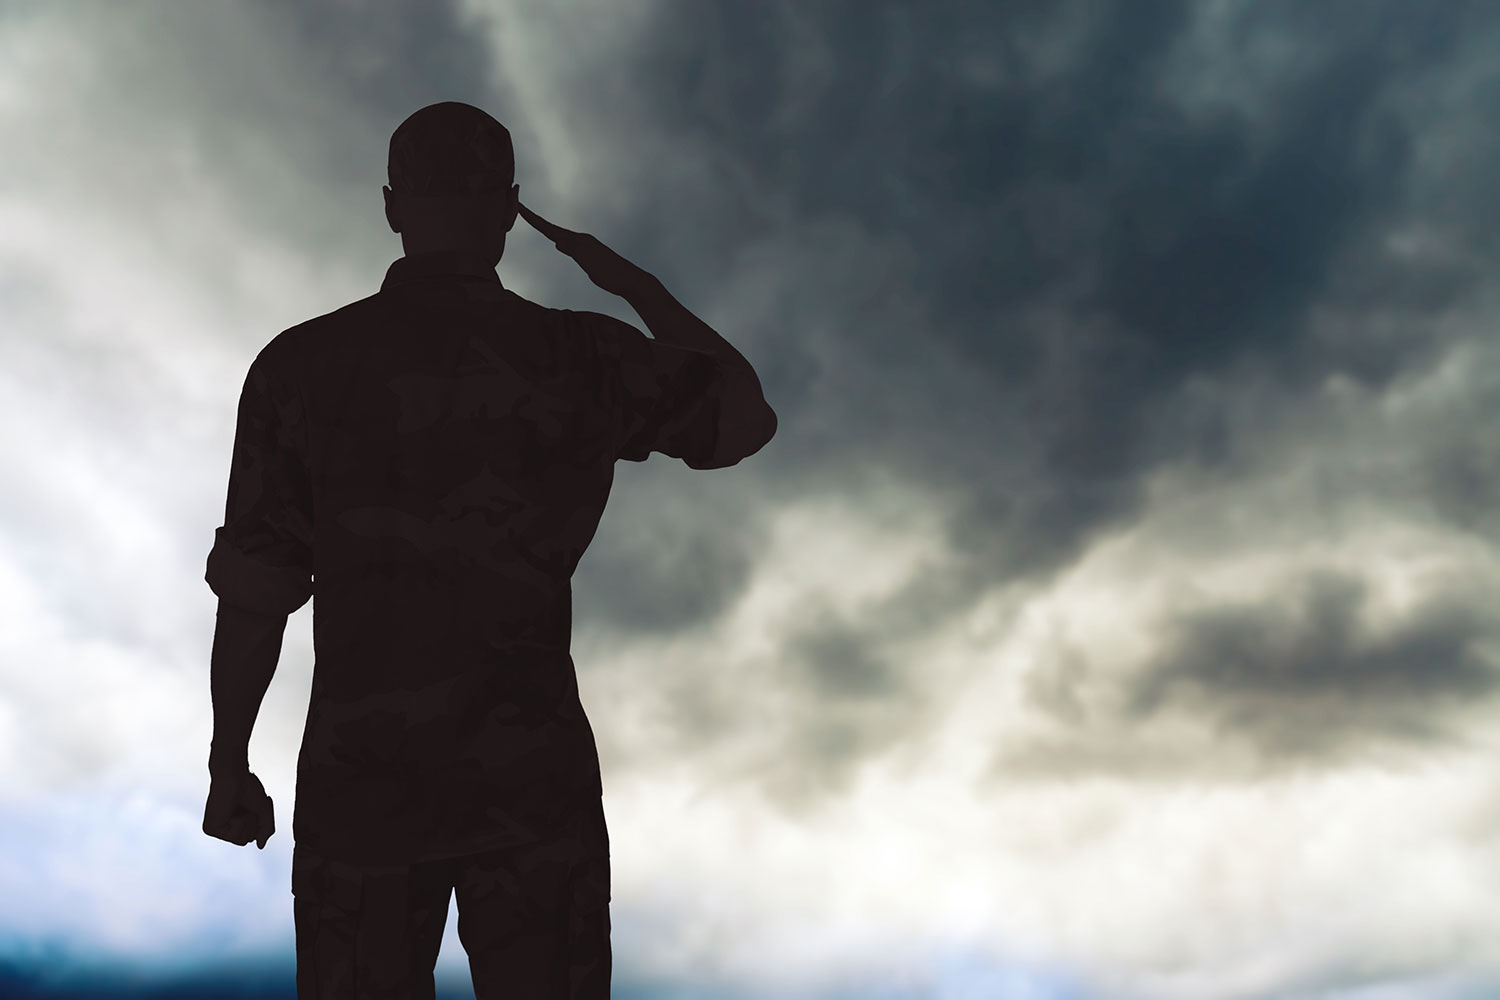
[{"x": 429, "y": 464}]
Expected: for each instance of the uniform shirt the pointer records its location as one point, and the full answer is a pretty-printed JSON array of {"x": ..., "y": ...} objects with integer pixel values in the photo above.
[{"x": 428, "y": 464}]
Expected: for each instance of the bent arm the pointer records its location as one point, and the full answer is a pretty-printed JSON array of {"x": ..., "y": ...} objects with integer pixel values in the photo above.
[
  {"x": 672, "y": 323},
  {"x": 747, "y": 421}
]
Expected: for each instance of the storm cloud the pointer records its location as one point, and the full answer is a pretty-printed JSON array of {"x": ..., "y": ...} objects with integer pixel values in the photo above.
[{"x": 1116, "y": 594}]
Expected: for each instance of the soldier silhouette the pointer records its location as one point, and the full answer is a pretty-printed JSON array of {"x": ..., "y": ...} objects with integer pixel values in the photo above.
[{"x": 431, "y": 462}]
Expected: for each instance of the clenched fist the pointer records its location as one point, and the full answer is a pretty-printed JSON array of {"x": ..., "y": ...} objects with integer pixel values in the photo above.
[{"x": 238, "y": 809}]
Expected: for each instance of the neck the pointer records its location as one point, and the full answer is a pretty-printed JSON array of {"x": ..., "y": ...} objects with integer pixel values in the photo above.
[{"x": 414, "y": 248}]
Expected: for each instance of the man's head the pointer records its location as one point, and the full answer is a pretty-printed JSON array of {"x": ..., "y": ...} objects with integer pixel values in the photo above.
[{"x": 451, "y": 172}]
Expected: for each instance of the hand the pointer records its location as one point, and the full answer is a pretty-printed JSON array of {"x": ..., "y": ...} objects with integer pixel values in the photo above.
[
  {"x": 238, "y": 809},
  {"x": 604, "y": 267}
]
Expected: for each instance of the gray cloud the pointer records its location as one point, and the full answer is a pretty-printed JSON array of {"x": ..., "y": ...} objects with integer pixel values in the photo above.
[
  {"x": 668, "y": 571},
  {"x": 1021, "y": 258},
  {"x": 385, "y": 58},
  {"x": 993, "y": 253},
  {"x": 1305, "y": 674},
  {"x": 1084, "y": 244},
  {"x": 1313, "y": 676}
]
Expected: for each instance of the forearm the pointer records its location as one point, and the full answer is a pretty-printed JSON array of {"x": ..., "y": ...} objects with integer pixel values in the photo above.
[
  {"x": 246, "y": 649},
  {"x": 670, "y": 322}
]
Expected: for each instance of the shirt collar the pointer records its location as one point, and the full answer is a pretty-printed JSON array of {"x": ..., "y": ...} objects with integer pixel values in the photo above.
[{"x": 439, "y": 263}]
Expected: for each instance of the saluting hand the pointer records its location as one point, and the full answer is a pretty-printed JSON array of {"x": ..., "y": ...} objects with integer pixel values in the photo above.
[{"x": 604, "y": 267}]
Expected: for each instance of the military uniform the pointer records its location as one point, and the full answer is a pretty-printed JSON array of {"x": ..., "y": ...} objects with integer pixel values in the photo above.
[{"x": 428, "y": 465}]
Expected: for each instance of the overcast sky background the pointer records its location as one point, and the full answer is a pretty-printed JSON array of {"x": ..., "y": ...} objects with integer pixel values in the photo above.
[{"x": 1113, "y": 615}]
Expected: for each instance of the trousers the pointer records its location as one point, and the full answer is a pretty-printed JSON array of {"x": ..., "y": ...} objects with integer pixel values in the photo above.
[{"x": 533, "y": 919}]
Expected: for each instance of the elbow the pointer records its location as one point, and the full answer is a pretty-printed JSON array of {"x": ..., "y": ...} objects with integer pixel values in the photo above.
[
  {"x": 760, "y": 436},
  {"x": 768, "y": 429},
  {"x": 740, "y": 440},
  {"x": 758, "y": 431}
]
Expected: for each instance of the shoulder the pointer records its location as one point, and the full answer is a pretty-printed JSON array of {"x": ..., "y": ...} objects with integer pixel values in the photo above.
[
  {"x": 613, "y": 340},
  {"x": 291, "y": 344},
  {"x": 355, "y": 313},
  {"x": 593, "y": 337},
  {"x": 597, "y": 325}
]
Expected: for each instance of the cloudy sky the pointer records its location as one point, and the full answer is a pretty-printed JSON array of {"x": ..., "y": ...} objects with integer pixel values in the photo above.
[{"x": 1112, "y": 617}]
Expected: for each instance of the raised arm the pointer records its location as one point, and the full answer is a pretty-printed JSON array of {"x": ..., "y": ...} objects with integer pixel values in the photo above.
[{"x": 747, "y": 421}]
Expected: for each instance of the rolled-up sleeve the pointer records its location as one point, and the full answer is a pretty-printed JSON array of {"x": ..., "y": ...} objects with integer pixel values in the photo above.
[
  {"x": 668, "y": 399},
  {"x": 262, "y": 556}
]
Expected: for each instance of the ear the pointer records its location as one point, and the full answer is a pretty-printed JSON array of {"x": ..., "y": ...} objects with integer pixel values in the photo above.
[
  {"x": 514, "y": 208},
  {"x": 391, "y": 213}
]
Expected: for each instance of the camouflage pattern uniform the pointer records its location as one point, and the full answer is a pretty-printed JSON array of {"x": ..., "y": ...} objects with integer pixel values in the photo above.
[{"x": 428, "y": 464}]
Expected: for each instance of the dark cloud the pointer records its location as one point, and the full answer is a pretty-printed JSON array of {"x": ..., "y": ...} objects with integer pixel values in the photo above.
[
  {"x": 1004, "y": 259},
  {"x": 1073, "y": 235},
  {"x": 1318, "y": 648},
  {"x": 838, "y": 662},
  {"x": 1320, "y": 674},
  {"x": 995, "y": 252},
  {"x": 1315, "y": 678},
  {"x": 849, "y": 700},
  {"x": 661, "y": 568},
  {"x": 1238, "y": 259},
  {"x": 1461, "y": 472},
  {"x": 842, "y": 695},
  {"x": 388, "y": 59},
  {"x": 1008, "y": 263}
]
